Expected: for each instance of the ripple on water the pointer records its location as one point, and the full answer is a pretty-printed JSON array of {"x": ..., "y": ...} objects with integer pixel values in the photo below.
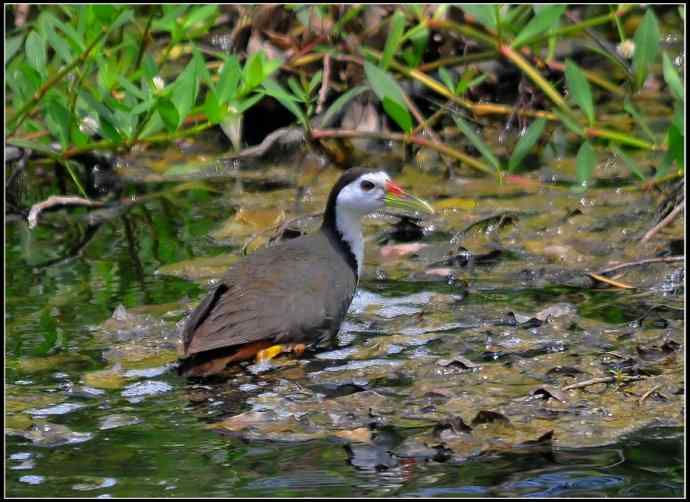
[{"x": 144, "y": 389}]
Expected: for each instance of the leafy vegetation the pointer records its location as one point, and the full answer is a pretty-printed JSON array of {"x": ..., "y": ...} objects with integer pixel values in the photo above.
[{"x": 112, "y": 77}]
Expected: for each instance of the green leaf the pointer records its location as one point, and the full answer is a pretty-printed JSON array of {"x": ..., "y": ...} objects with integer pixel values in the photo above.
[
  {"x": 59, "y": 45},
  {"x": 676, "y": 145},
  {"x": 339, "y": 103},
  {"x": 104, "y": 13},
  {"x": 105, "y": 116},
  {"x": 36, "y": 52},
  {"x": 419, "y": 36},
  {"x": 107, "y": 74},
  {"x": 270, "y": 66},
  {"x": 544, "y": 19},
  {"x": 467, "y": 82},
  {"x": 229, "y": 78},
  {"x": 629, "y": 163},
  {"x": 446, "y": 78},
  {"x": 212, "y": 108},
  {"x": 630, "y": 108},
  {"x": 485, "y": 14},
  {"x": 43, "y": 148},
  {"x": 398, "y": 112},
  {"x": 200, "y": 17},
  {"x": 477, "y": 142},
  {"x": 395, "y": 33},
  {"x": 184, "y": 90},
  {"x": 74, "y": 38},
  {"x": 387, "y": 89},
  {"x": 274, "y": 89},
  {"x": 585, "y": 163},
  {"x": 297, "y": 90},
  {"x": 579, "y": 89},
  {"x": 166, "y": 109},
  {"x": 58, "y": 119},
  {"x": 12, "y": 45},
  {"x": 130, "y": 87},
  {"x": 149, "y": 66},
  {"x": 646, "y": 46},
  {"x": 30, "y": 81},
  {"x": 672, "y": 78},
  {"x": 252, "y": 73},
  {"x": 314, "y": 82},
  {"x": 526, "y": 142},
  {"x": 246, "y": 104}
]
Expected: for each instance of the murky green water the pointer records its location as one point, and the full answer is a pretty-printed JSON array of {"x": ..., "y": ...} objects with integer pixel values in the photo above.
[{"x": 156, "y": 442}]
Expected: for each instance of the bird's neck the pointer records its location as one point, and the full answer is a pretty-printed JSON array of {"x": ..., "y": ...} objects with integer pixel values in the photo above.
[
  {"x": 345, "y": 230},
  {"x": 349, "y": 227}
]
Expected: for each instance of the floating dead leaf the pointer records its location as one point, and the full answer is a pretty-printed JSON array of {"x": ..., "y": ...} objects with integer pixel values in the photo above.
[
  {"x": 440, "y": 271},
  {"x": 50, "y": 435},
  {"x": 556, "y": 310},
  {"x": 654, "y": 352},
  {"x": 487, "y": 417},
  {"x": 246, "y": 222},
  {"x": 455, "y": 425},
  {"x": 136, "y": 355},
  {"x": 18, "y": 422},
  {"x": 544, "y": 439},
  {"x": 549, "y": 392},
  {"x": 458, "y": 362},
  {"x": 398, "y": 250},
  {"x": 54, "y": 362},
  {"x": 203, "y": 267},
  {"x": 359, "y": 435},
  {"x": 243, "y": 421},
  {"x": 105, "y": 379},
  {"x": 423, "y": 447},
  {"x": 18, "y": 399},
  {"x": 568, "y": 371}
]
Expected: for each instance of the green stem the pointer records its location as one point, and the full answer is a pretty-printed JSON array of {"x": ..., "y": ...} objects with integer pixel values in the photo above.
[
  {"x": 577, "y": 27},
  {"x": 617, "y": 22},
  {"x": 458, "y": 60},
  {"x": 619, "y": 137},
  {"x": 67, "y": 165},
  {"x": 156, "y": 138}
]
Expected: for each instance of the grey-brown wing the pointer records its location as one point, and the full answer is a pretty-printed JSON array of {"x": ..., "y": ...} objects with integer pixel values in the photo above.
[{"x": 290, "y": 294}]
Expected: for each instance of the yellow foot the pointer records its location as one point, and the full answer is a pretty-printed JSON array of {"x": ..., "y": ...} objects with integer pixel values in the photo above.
[{"x": 269, "y": 353}]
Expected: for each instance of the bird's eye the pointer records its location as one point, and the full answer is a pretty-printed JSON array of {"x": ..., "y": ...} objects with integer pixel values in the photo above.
[{"x": 367, "y": 185}]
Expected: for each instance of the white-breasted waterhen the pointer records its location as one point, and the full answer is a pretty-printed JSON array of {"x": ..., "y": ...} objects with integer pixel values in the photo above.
[{"x": 282, "y": 298}]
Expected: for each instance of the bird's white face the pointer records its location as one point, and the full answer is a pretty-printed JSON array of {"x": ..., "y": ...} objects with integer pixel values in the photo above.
[{"x": 364, "y": 195}]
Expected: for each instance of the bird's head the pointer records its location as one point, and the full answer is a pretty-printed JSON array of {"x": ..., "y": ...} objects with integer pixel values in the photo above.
[{"x": 362, "y": 192}]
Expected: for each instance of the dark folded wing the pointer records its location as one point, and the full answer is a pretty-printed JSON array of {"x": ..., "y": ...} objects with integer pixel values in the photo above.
[{"x": 291, "y": 292}]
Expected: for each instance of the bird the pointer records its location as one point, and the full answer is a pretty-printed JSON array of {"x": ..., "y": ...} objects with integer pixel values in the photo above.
[{"x": 294, "y": 294}]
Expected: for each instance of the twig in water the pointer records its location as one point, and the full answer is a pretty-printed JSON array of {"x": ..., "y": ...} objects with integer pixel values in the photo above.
[
  {"x": 648, "y": 393},
  {"x": 57, "y": 200},
  {"x": 610, "y": 282},
  {"x": 324, "y": 83},
  {"x": 663, "y": 259},
  {"x": 669, "y": 218},
  {"x": 595, "y": 381}
]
